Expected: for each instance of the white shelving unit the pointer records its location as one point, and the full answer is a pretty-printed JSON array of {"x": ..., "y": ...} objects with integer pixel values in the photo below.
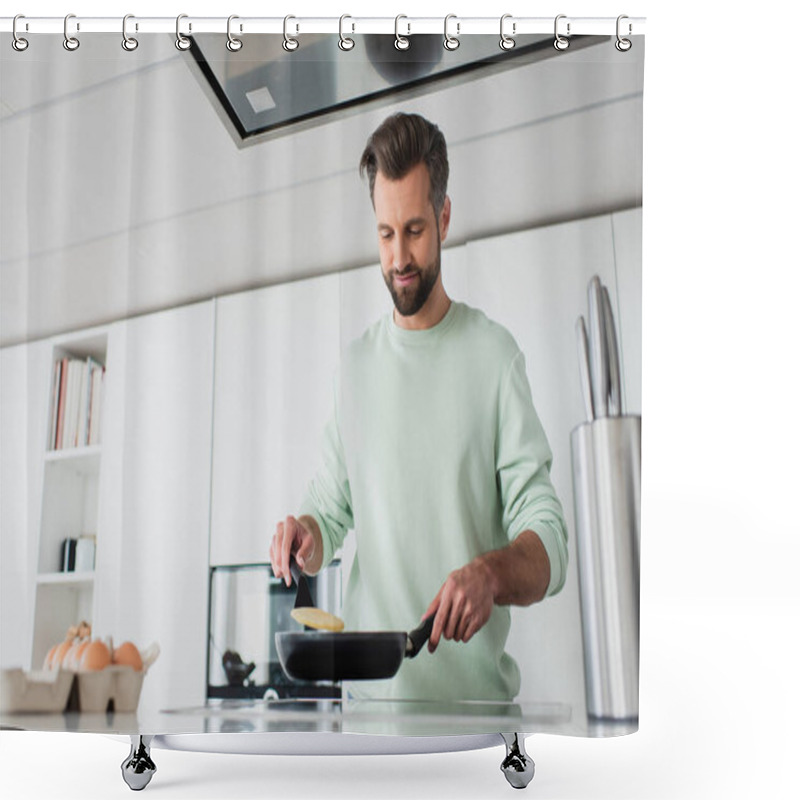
[{"x": 69, "y": 509}]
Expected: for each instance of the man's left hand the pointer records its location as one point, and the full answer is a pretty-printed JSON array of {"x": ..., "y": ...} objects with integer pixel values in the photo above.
[{"x": 463, "y": 604}]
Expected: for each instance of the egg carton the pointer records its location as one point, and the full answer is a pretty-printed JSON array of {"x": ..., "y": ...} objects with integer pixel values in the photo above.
[
  {"x": 41, "y": 691},
  {"x": 58, "y": 690},
  {"x": 117, "y": 684}
]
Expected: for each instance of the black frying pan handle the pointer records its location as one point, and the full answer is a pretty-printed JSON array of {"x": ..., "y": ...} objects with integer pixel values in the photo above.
[{"x": 420, "y": 635}]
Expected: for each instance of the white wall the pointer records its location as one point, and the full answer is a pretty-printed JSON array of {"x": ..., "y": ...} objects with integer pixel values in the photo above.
[{"x": 24, "y": 400}]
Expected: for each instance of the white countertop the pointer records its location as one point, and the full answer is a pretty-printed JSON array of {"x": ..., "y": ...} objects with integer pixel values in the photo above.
[{"x": 371, "y": 717}]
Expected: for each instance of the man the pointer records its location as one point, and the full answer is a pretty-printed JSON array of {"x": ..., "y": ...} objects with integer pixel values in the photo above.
[{"x": 435, "y": 455}]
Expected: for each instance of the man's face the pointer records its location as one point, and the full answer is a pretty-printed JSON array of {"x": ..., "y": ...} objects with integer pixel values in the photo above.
[{"x": 409, "y": 237}]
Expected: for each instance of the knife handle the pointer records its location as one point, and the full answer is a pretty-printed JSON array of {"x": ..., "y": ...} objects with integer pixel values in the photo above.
[
  {"x": 583, "y": 366},
  {"x": 599, "y": 349},
  {"x": 614, "y": 378}
]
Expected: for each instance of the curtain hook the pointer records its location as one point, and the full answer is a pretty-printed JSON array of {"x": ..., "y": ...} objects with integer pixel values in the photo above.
[
  {"x": 623, "y": 45},
  {"x": 290, "y": 43},
  {"x": 18, "y": 43},
  {"x": 345, "y": 43},
  {"x": 181, "y": 42},
  {"x": 70, "y": 42},
  {"x": 507, "y": 42},
  {"x": 233, "y": 44},
  {"x": 128, "y": 42},
  {"x": 451, "y": 42},
  {"x": 401, "y": 42},
  {"x": 560, "y": 42}
]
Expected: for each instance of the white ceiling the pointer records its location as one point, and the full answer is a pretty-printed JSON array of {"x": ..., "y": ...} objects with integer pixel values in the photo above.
[{"x": 123, "y": 192}]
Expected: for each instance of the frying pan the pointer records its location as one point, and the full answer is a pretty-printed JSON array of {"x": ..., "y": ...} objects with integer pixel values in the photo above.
[{"x": 328, "y": 656}]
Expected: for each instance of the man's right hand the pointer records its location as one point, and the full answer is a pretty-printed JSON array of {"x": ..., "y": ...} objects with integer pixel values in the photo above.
[{"x": 291, "y": 538}]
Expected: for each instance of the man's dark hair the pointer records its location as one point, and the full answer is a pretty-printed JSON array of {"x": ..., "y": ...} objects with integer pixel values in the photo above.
[{"x": 400, "y": 143}]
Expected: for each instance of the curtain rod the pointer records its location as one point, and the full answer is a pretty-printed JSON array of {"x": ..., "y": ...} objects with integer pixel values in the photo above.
[{"x": 456, "y": 26}]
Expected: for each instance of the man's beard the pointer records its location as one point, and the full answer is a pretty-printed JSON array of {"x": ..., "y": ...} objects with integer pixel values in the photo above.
[{"x": 409, "y": 300}]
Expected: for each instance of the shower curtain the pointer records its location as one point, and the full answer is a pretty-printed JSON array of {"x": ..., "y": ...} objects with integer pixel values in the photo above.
[{"x": 203, "y": 336}]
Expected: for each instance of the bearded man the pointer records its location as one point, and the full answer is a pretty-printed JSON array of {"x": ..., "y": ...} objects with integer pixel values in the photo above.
[{"x": 434, "y": 457}]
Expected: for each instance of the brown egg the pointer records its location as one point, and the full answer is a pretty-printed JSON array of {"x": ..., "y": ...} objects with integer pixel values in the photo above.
[
  {"x": 127, "y": 654},
  {"x": 96, "y": 656}
]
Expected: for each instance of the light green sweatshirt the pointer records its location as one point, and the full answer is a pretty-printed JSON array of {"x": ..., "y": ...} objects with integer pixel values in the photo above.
[{"x": 434, "y": 455}]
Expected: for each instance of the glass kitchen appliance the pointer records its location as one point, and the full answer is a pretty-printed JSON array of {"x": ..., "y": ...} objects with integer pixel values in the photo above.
[{"x": 247, "y": 607}]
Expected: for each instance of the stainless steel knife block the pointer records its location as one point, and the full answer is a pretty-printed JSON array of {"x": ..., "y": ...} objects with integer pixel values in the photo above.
[{"x": 606, "y": 475}]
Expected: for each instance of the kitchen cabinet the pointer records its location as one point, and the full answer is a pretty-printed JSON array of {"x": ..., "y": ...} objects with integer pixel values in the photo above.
[
  {"x": 24, "y": 400},
  {"x": 157, "y": 476},
  {"x": 277, "y": 350},
  {"x": 535, "y": 284}
]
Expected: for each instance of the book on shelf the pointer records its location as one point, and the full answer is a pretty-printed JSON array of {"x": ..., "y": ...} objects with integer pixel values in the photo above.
[
  {"x": 83, "y": 405},
  {"x": 71, "y": 411},
  {"x": 62, "y": 402},
  {"x": 95, "y": 404},
  {"x": 68, "y": 552},
  {"x": 77, "y": 403},
  {"x": 54, "y": 406}
]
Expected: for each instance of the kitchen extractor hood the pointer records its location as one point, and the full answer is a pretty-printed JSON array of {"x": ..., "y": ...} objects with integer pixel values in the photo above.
[{"x": 262, "y": 91}]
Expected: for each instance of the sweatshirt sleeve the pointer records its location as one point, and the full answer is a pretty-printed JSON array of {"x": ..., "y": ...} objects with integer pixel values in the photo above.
[
  {"x": 327, "y": 497},
  {"x": 524, "y": 457}
]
